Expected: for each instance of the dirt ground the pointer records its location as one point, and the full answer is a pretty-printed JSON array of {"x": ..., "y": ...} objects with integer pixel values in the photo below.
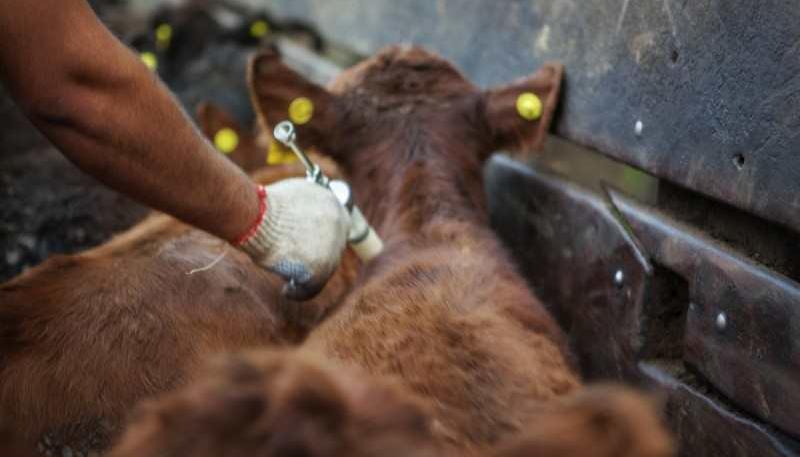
[{"x": 48, "y": 206}]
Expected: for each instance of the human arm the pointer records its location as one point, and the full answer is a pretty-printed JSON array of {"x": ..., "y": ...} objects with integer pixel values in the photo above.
[{"x": 95, "y": 100}]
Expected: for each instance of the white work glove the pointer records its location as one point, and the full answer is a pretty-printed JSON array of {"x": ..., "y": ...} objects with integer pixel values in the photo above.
[{"x": 301, "y": 236}]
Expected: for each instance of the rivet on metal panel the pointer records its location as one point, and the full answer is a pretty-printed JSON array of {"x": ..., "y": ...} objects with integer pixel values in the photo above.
[
  {"x": 722, "y": 321},
  {"x": 619, "y": 278}
]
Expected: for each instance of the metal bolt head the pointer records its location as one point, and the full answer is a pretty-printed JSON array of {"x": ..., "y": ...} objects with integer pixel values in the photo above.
[
  {"x": 619, "y": 278},
  {"x": 722, "y": 321},
  {"x": 638, "y": 128}
]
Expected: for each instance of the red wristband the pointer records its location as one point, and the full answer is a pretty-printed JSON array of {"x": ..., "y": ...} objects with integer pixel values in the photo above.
[{"x": 262, "y": 212}]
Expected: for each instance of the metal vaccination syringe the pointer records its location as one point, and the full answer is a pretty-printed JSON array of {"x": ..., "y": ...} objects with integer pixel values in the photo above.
[{"x": 362, "y": 237}]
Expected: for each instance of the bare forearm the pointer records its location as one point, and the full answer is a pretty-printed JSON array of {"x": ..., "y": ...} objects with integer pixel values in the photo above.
[
  {"x": 113, "y": 118},
  {"x": 132, "y": 136}
]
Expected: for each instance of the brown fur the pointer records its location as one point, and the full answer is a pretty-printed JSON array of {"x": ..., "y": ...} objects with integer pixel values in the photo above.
[
  {"x": 452, "y": 351},
  {"x": 442, "y": 309},
  {"x": 11, "y": 445},
  {"x": 87, "y": 336},
  {"x": 286, "y": 403},
  {"x": 281, "y": 404},
  {"x": 441, "y": 347},
  {"x": 602, "y": 421}
]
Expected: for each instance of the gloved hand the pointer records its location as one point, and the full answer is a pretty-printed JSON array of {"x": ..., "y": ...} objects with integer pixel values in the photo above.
[{"x": 300, "y": 237}]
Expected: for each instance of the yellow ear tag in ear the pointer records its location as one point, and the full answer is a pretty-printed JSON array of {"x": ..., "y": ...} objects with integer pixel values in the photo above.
[
  {"x": 150, "y": 60},
  {"x": 163, "y": 35},
  {"x": 301, "y": 110},
  {"x": 259, "y": 28},
  {"x": 529, "y": 106},
  {"x": 278, "y": 155},
  {"x": 226, "y": 140}
]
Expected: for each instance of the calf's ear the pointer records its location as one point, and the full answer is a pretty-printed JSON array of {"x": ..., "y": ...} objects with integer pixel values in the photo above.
[
  {"x": 279, "y": 94},
  {"x": 519, "y": 114},
  {"x": 228, "y": 136},
  {"x": 211, "y": 119}
]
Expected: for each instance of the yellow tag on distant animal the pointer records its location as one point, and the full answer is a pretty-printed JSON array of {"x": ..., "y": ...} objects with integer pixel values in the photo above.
[
  {"x": 279, "y": 155},
  {"x": 259, "y": 28},
  {"x": 529, "y": 106},
  {"x": 301, "y": 110},
  {"x": 226, "y": 140},
  {"x": 163, "y": 36},
  {"x": 150, "y": 60}
]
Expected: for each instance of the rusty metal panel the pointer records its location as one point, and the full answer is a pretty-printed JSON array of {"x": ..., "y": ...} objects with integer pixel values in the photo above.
[
  {"x": 589, "y": 242},
  {"x": 743, "y": 325},
  {"x": 704, "y": 93},
  {"x": 729, "y": 392},
  {"x": 707, "y": 428}
]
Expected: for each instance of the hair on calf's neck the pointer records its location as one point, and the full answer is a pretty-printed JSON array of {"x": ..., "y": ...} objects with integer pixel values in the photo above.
[{"x": 412, "y": 130}]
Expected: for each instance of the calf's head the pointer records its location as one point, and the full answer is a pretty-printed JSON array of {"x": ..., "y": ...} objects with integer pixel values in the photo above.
[{"x": 409, "y": 130}]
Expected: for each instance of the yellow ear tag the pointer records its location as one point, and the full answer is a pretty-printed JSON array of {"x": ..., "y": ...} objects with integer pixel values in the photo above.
[
  {"x": 529, "y": 106},
  {"x": 150, "y": 60},
  {"x": 259, "y": 28},
  {"x": 226, "y": 140},
  {"x": 301, "y": 110},
  {"x": 163, "y": 35},
  {"x": 278, "y": 155}
]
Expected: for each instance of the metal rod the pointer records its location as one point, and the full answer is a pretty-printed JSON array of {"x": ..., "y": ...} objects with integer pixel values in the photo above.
[{"x": 285, "y": 133}]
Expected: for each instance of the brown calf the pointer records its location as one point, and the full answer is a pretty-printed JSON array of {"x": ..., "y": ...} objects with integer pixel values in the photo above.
[
  {"x": 277, "y": 404},
  {"x": 441, "y": 350},
  {"x": 83, "y": 338},
  {"x": 443, "y": 309}
]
